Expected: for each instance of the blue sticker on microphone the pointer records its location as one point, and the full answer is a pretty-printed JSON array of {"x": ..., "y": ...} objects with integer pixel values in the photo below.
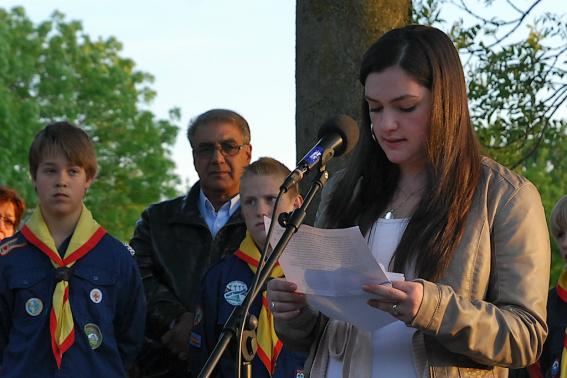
[{"x": 314, "y": 155}]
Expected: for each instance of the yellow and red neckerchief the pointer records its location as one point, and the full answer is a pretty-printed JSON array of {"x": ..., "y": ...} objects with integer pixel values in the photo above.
[
  {"x": 269, "y": 345},
  {"x": 86, "y": 236},
  {"x": 561, "y": 290}
]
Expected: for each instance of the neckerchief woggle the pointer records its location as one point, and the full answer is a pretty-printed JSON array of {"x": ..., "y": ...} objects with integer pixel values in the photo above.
[
  {"x": 269, "y": 345},
  {"x": 85, "y": 237},
  {"x": 561, "y": 290}
]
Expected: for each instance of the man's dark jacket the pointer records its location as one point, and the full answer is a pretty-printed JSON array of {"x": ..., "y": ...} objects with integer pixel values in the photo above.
[{"x": 174, "y": 248}]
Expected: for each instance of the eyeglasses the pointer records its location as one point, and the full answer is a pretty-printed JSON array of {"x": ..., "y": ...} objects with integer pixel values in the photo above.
[
  {"x": 8, "y": 221},
  {"x": 206, "y": 150}
]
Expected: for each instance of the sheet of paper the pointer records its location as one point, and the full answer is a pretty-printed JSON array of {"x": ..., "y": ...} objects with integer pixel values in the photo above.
[
  {"x": 353, "y": 309},
  {"x": 330, "y": 267}
]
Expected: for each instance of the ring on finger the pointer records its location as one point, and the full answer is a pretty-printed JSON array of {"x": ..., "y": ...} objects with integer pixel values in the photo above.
[{"x": 395, "y": 310}]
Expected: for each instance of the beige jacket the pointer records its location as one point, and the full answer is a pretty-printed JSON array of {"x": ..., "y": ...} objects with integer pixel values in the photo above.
[{"x": 486, "y": 314}]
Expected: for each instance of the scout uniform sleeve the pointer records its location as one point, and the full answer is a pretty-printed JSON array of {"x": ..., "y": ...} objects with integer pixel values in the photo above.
[
  {"x": 131, "y": 312},
  {"x": 6, "y": 299}
]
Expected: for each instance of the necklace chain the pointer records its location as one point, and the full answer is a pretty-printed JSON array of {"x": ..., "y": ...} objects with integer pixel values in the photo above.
[{"x": 400, "y": 205}]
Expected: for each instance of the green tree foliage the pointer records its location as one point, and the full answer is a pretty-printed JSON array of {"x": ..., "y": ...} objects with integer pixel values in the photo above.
[
  {"x": 515, "y": 68},
  {"x": 53, "y": 71}
]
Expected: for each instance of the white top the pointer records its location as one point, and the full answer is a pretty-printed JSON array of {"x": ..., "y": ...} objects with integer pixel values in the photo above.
[{"x": 392, "y": 356}]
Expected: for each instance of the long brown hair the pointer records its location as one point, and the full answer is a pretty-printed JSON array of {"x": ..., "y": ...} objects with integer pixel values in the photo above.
[{"x": 452, "y": 152}]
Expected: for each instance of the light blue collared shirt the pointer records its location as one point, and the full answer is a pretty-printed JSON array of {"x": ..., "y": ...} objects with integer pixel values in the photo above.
[{"x": 217, "y": 219}]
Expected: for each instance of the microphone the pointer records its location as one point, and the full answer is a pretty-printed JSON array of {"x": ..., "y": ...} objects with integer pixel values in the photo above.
[{"x": 337, "y": 136}]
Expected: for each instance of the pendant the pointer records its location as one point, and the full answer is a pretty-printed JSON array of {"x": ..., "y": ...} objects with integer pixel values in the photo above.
[{"x": 389, "y": 214}]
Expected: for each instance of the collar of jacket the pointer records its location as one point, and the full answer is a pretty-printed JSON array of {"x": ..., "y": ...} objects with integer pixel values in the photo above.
[{"x": 187, "y": 211}]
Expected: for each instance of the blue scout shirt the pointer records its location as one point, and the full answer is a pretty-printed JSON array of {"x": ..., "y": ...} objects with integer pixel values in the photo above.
[
  {"x": 224, "y": 286},
  {"x": 107, "y": 303}
]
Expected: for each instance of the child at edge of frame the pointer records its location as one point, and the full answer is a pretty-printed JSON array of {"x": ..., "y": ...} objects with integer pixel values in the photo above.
[
  {"x": 553, "y": 360},
  {"x": 71, "y": 297},
  {"x": 226, "y": 283}
]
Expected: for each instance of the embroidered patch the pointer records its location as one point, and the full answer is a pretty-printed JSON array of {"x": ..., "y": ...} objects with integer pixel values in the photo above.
[
  {"x": 195, "y": 340},
  {"x": 34, "y": 306},
  {"x": 96, "y": 295},
  {"x": 130, "y": 249},
  {"x": 555, "y": 368},
  {"x": 299, "y": 373},
  {"x": 94, "y": 336},
  {"x": 9, "y": 245},
  {"x": 235, "y": 292},
  {"x": 198, "y": 316}
]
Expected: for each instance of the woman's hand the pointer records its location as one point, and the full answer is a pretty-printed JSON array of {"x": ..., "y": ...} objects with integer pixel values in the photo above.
[
  {"x": 285, "y": 303},
  {"x": 402, "y": 300}
]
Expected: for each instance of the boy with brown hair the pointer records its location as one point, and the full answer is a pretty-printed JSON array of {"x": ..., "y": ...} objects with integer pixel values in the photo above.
[
  {"x": 226, "y": 284},
  {"x": 71, "y": 298}
]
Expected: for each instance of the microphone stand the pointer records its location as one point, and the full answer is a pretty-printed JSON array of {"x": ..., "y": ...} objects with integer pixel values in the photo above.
[{"x": 230, "y": 329}]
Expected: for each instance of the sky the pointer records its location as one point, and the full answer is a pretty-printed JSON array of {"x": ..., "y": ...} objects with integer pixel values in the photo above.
[{"x": 203, "y": 54}]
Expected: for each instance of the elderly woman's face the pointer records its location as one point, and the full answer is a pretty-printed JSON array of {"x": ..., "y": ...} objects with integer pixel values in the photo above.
[{"x": 7, "y": 219}]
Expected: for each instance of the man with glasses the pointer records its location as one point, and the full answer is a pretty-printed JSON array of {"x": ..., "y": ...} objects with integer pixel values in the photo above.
[{"x": 177, "y": 240}]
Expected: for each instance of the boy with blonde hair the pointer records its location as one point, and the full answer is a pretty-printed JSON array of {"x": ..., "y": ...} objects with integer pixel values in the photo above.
[
  {"x": 226, "y": 284},
  {"x": 71, "y": 297}
]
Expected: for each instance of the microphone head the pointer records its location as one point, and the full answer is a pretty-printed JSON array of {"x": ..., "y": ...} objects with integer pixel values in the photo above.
[{"x": 346, "y": 127}]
